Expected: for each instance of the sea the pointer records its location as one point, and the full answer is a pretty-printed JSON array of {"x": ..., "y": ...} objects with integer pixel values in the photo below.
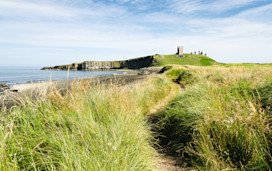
[{"x": 31, "y": 74}]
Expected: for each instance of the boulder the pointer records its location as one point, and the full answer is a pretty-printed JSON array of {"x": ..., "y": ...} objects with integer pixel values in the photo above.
[{"x": 3, "y": 87}]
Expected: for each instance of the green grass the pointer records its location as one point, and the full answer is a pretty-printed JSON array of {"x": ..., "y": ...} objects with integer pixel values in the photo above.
[
  {"x": 188, "y": 59},
  {"x": 174, "y": 126},
  {"x": 175, "y": 73},
  {"x": 89, "y": 128},
  {"x": 264, "y": 93},
  {"x": 222, "y": 121},
  {"x": 247, "y": 65},
  {"x": 182, "y": 76}
]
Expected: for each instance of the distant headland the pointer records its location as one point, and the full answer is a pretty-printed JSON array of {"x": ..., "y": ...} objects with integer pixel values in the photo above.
[{"x": 137, "y": 63}]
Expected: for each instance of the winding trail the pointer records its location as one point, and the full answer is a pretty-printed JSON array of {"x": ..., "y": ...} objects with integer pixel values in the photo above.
[
  {"x": 160, "y": 106},
  {"x": 165, "y": 162}
]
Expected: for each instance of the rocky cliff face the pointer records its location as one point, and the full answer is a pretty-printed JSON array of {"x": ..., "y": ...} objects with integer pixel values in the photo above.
[{"x": 136, "y": 63}]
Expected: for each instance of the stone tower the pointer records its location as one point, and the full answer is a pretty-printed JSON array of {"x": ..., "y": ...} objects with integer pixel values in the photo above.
[{"x": 180, "y": 51}]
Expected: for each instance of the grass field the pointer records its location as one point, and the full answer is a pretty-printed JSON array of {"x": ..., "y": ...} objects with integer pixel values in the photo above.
[
  {"x": 247, "y": 65},
  {"x": 90, "y": 128},
  {"x": 221, "y": 121}
]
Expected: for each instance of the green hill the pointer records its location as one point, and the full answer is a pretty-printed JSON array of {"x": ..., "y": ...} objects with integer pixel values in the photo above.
[{"x": 188, "y": 59}]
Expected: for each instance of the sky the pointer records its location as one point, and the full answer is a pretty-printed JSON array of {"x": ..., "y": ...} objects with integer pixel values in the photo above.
[{"x": 54, "y": 32}]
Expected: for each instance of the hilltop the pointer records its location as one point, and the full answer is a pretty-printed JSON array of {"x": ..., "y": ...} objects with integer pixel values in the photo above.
[{"x": 187, "y": 59}]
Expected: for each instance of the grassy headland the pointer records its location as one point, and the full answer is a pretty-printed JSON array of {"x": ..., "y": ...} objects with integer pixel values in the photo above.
[{"x": 137, "y": 63}]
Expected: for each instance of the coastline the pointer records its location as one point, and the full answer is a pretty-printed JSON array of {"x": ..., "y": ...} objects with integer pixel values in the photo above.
[{"x": 18, "y": 93}]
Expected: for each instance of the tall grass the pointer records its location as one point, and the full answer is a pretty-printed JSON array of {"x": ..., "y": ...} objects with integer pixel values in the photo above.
[
  {"x": 222, "y": 121},
  {"x": 98, "y": 127}
]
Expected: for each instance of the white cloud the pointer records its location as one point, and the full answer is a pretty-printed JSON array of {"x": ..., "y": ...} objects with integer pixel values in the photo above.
[
  {"x": 26, "y": 9},
  {"x": 111, "y": 32},
  {"x": 191, "y": 6},
  {"x": 12, "y": 8}
]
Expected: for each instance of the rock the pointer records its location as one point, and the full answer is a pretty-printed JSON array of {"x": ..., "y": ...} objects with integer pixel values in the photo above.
[
  {"x": 143, "y": 73},
  {"x": 4, "y": 87}
]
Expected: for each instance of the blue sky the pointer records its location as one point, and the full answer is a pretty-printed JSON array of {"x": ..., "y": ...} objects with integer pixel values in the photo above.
[{"x": 53, "y": 32}]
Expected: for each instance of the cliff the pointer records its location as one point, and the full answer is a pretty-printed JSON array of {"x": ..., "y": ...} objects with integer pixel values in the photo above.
[{"x": 136, "y": 63}]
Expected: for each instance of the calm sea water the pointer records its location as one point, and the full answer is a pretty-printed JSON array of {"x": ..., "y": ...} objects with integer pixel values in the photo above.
[{"x": 22, "y": 75}]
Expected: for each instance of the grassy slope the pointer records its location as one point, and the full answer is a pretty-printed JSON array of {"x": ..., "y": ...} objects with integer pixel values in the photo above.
[
  {"x": 90, "y": 128},
  {"x": 199, "y": 60},
  {"x": 188, "y": 59},
  {"x": 222, "y": 120}
]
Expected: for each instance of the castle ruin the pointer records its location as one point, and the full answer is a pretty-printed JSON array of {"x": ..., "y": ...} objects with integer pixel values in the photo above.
[{"x": 180, "y": 51}]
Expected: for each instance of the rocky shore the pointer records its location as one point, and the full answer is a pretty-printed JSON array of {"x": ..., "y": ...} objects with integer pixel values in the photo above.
[{"x": 16, "y": 94}]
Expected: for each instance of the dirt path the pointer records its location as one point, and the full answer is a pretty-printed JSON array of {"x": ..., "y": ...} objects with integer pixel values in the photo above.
[
  {"x": 165, "y": 101},
  {"x": 169, "y": 163},
  {"x": 165, "y": 162}
]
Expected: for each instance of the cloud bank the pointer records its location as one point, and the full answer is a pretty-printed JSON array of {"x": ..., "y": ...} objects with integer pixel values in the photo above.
[{"x": 65, "y": 31}]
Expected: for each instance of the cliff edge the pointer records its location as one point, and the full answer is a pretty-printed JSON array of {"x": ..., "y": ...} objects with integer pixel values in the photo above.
[{"x": 136, "y": 63}]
